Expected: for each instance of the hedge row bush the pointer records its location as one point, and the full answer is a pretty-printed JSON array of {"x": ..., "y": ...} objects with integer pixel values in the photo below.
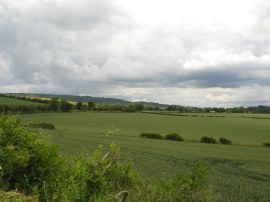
[
  {"x": 223, "y": 140},
  {"x": 176, "y": 137},
  {"x": 172, "y": 136},
  {"x": 266, "y": 144},
  {"x": 151, "y": 135},
  {"x": 42, "y": 125},
  {"x": 209, "y": 140}
]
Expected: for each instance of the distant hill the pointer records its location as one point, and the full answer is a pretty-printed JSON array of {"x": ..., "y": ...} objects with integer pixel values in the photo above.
[{"x": 76, "y": 98}]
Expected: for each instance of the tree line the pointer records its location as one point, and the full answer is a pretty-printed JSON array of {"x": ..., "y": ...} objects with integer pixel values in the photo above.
[
  {"x": 56, "y": 104},
  {"x": 254, "y": 109}
]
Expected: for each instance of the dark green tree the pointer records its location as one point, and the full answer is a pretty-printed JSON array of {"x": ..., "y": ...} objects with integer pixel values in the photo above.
[
  {"x": 91, "y": 105},
  {"x": 65, "y": 106},
  {"x": 54, "y": 103},
  {"x": 79, "y": 105},
  {"x": 139, "y": 106}
]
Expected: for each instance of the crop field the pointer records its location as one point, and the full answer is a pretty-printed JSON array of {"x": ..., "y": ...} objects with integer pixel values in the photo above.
[
  {"x": 15, "y": 102},
  {"x": 238, "y": 172}
]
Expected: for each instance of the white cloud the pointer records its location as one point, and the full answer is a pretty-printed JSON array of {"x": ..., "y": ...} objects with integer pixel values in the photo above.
[{"x": 5, "y": 63}]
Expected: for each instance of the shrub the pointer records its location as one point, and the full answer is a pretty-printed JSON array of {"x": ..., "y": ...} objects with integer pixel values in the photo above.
[
  {"x": 206, "y": 139},
  {"x": 151, "y": 135},
  {"x": 174, "y": 137},
  {"x": 266, "y": 144},
  {"x": 42, "y": 125},
  {"x": 223, "y": 140},
  {"x": 27, "y": 163}
]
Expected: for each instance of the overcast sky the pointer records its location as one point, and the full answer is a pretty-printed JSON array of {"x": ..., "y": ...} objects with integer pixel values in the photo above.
[{"x": 199, "y": 53}]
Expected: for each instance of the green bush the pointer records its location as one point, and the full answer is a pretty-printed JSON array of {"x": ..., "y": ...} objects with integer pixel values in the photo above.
[
  {"x": 223, "y": 140},
  {"x": 42, "y": 125},
  {"x": 266, "y": 144},
  {"x": 151, "y": 135},
  {"x": 174, "y": 137},
  {"x": 27, "y": 163},
  {"x": 210, "y": 140}
]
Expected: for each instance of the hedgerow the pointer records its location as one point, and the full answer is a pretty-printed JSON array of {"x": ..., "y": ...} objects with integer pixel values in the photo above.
[
  {"x": 223, "y": 140},
  {"x": 266, "y": 144},
  {"x": 43, "y": 125},
  {"x": 151, "y": 135},
  {"x": 210, "y": 140},
  {"x": 174, "y": 137}
]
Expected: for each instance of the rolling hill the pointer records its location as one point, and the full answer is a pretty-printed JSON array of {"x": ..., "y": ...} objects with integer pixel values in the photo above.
[
  {"x": 76, "y": 98},
  {"x": 15, "y": 102}
]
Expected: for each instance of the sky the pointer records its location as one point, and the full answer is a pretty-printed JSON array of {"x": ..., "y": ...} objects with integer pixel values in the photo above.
[{"x": 191, "y": 53}]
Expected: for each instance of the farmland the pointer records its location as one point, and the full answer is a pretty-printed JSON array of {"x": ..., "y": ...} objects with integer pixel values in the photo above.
[
  {"x": 16, "y": 102},
  {"x": 236, "y": 172}
]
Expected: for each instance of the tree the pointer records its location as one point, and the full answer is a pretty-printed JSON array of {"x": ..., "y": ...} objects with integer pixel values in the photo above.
[
  {"x": 139, "y": 106},
  {"x": 54, "y": 103},
  {"x": 65, "y": 106},
  {"x": 79, "y": 105},
  {"x": 91, "y": 105}
]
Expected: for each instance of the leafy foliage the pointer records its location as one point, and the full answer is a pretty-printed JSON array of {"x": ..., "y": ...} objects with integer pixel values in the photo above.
[
  {"x": 111, "y": 130},
  {"x": 174, "y": 137},
  {"x": 26, "y": 161},
  {"x": 210, "y": 140},
  {"x": 223, "y": 140}
]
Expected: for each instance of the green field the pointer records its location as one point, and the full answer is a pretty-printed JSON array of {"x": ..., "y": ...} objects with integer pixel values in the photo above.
[
  {"x": 16, "y": 102},
  {"x": 239, "y": 172}
]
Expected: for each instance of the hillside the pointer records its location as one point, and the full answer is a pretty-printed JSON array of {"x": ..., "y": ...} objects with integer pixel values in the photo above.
[
  {"x": 16, "y": 102},
  {"x": 76, "y": 98}
]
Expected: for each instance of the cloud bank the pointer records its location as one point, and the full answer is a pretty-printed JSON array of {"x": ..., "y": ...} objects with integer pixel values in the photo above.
[{"x": 198, "y": 53}]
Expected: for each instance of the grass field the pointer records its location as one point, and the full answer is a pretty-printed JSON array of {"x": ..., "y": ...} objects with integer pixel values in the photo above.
[
  {"x": 239, "y": 172},
  {"x": 15, "y": 102}
]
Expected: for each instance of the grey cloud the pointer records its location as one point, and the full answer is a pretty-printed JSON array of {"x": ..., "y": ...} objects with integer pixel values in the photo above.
[
  {"x": 93, "y": 47},
  {"x": 42, "y": 51}
]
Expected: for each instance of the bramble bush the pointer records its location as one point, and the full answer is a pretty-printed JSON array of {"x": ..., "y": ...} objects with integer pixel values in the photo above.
[
  {"x": 32, "y": 169},
  {"x": 174, "y": 137}
]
